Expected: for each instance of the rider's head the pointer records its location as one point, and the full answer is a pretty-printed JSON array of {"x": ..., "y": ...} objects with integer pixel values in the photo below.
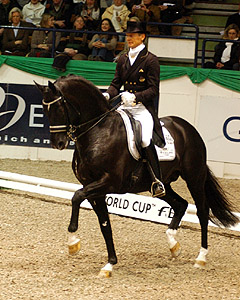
[{"x": 135, "y": 33}]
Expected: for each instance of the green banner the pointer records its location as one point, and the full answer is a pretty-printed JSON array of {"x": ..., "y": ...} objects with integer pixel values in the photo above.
[{"x": 101, "y": 73}]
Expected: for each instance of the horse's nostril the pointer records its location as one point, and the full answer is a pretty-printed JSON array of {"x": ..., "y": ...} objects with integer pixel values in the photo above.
[{"x": 61, "y": 145}]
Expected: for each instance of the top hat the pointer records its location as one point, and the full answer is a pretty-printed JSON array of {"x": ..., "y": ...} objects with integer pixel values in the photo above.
[{"x": 136, "y": 27}]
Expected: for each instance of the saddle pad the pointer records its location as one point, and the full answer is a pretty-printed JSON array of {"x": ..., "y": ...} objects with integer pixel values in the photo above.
[{"x": 164, "y": 154}]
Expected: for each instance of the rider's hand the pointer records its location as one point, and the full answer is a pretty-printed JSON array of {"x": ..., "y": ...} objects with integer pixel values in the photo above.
[
  {"x": 128, "y": 99},
  {"x": 106, "y": 95}
]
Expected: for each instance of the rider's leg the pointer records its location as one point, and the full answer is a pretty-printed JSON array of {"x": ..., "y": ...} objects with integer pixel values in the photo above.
[{"x": 157, "y": 188}]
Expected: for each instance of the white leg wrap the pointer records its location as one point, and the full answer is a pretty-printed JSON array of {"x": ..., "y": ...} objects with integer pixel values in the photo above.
[
  {"x": 201, "y": 259},
  {"x": 72, "y": 239},
  {"x": 106, "y": 271},
  {"x": 73, "y": 244},
  {"x": 202, "y": 254},
  {"x": 108, "y": 267},
  {"x": 171, "y": 234}
]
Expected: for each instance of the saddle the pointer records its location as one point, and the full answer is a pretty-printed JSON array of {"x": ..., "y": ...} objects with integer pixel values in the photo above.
[
  {"x": 137, "y": 131},
  {"x": 134, "y": 138}
]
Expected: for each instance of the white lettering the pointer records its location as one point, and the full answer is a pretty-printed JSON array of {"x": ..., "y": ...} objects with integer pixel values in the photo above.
[
  {"x": 36, "y": 141},
  {"x": 23, "y": 139},
  {"x": 45, "y": 141},
  {"x": 34, "y": 115}
]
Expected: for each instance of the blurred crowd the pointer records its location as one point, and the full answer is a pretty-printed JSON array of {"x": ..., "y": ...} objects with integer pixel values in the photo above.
[{"x": 101, "y": 16}]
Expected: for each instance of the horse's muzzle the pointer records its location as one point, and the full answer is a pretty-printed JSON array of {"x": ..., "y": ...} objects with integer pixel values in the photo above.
[{"x": 59, "y": 142}]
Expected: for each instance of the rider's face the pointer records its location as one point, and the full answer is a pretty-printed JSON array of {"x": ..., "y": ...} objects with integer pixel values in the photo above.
[{"x": 135, "y": 39}]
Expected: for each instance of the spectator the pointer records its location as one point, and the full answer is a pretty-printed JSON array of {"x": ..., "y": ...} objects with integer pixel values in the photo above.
[
  {"x": 74, "y": 46},
  {"x": 103, "y": 45},
  {"x": 62, "y": 11},
  {"x": 42, "y": 41},
  {"x": 5, "y": 7},
  {"x": 91, "y": 14},
  {"x": 15, "y": 41},
  {"x": 147, "y": 12},
  {"x": 104, "y": 4},
  {"x": 173, "y": 12},
  {"x": 234, "y": 19},
  {"x": 22, "y": 3},
  {"x": 77, "y": 8},
  {"x": 33, "y": 11},
  {"x": 226, "y": 53},
  {"x": 118, "y": 14}
]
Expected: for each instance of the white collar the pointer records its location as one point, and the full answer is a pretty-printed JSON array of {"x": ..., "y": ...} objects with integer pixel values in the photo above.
[{"x": 135, "y": 51}]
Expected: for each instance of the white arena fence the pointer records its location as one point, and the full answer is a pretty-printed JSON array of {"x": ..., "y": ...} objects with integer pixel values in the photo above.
[{"x": 128, "y": 205}]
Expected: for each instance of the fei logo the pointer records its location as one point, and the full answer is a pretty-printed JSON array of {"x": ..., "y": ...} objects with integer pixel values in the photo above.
[{"x": 17, "y": 114}]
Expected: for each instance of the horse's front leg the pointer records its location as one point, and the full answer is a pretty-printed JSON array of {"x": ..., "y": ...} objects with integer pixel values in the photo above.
[
  {"x": 100, "y": 208},
  {"x": 73, "y": 241},
  {"x": 95, "y": 192}
]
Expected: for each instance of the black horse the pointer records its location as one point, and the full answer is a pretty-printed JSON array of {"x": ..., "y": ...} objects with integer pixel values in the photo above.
[{"x": 77, "y": 110}]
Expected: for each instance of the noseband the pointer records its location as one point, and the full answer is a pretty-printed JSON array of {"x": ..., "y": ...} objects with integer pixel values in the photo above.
[
  {"x": 69, "y": 128},
  {"x": 57, "y": 128}
]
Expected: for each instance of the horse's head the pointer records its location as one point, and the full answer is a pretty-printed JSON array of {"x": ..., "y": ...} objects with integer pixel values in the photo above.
[
  {"x": 55, "y": 110},
  {"x": 72, "y": 105}
]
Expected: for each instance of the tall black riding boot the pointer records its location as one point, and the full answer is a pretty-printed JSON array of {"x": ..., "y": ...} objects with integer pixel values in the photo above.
[{"x": 157, "y": 188}]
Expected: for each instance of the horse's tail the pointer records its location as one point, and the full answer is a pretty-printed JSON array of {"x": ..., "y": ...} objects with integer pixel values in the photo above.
[{"x": 219, "y": 204}]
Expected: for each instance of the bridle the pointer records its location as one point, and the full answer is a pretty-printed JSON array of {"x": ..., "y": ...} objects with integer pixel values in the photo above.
[{"x": 69, "y": 128}]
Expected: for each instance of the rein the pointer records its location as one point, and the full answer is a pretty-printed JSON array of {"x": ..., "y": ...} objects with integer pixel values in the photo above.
[{"x": 71, "y": 129}]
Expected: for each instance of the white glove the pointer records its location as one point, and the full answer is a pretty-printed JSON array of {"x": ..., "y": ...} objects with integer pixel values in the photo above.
[
  {"x": 106, "y": 95},
  {"x": 128, "y": 99}
]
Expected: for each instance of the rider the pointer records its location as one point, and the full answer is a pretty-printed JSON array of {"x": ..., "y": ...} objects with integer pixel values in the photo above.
[{"x": 139, "y": 72}]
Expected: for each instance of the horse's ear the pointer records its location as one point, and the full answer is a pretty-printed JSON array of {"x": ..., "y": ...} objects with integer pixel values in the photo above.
[
  {"x": 39, "y": 86},
  {"x": 52, "y": 87}
]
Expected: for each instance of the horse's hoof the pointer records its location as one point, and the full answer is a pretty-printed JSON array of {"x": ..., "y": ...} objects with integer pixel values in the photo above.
[
  {"x": 105, "y": 274},
  {"x": 106, "y": 271},
  {"x": 200, "y": 264},
  {"x": 74, "y": 247},
  {"x": 176, "y": 250}
]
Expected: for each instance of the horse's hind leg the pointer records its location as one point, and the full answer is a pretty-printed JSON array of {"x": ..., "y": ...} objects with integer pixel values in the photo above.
[
  {"x": 100, "y": 208},
  {"x": 197, "y": 190},
  {"x": 179, "y": 205}
]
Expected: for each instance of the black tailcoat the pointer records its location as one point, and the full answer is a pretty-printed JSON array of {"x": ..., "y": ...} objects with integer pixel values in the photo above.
[{"x": 142, "y": 79}]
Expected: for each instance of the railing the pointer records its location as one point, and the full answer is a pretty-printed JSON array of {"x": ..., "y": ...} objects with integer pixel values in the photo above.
[
  {"x": 213, "y": 40},
  {"x": 54, "y": 30}
]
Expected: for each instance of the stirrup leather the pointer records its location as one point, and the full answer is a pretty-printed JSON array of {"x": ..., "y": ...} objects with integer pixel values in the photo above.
[{"x": 158, "y": 189}]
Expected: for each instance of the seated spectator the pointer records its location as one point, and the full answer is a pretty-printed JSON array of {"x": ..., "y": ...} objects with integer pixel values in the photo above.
[
  {"x": 173, "y": 12},
  {"x": 42, "y": 41},
  {"x": 22, "y": 2},
  {"x": 147, "y": 12},
  {"x": 226, "y": 53},
  {"x": 77, "y": 8},
  {"x": 234, "y": 19},
  {"x": 91, "y": 14},
  {"x": 118, "y": 14},
  {"x": 103, "y": 45},
  {"x": 62, "y": 12},
  {"x": 15, "y": 41},
  {"x": 33, "y": 11},
  {"x": 5, "y": 7},
  {"x": 74, "y": 46},
  {"x": 104, "y": 4}
]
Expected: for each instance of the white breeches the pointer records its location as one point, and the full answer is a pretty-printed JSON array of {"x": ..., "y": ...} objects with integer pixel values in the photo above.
[{"x": 141, "y": 114}]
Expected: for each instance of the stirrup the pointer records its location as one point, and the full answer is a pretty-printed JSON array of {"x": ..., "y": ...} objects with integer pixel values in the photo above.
[{"x": 158, "y": 189}]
